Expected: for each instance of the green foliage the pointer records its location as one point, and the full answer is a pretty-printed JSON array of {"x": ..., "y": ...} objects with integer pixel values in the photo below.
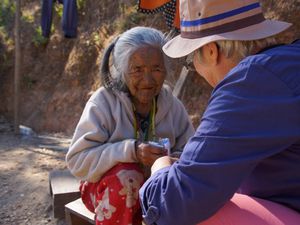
[
  {"x": 131, "y": 19},
  {"x": 29, "y": 18},
  {"x": 3, "y": 34},
  {"x": 96, "y": 40},
  {"x": 38, "y": 38},
  {"x": 80, "y": 4},
  {"x": 7, "y": 11},
  {"x": 5, "y": 37},
  {"x": 59, "y": 10},
  {"x": 28, "y": 81}
]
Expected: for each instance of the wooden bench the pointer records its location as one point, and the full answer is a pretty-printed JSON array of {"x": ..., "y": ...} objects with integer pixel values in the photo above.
[
  {"x": 77, "y": 214},
  {"x": 64, "y": 188}
]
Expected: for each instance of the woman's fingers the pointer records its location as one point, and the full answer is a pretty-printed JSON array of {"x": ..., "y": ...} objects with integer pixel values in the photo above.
[{"x": 147, "y": 153}]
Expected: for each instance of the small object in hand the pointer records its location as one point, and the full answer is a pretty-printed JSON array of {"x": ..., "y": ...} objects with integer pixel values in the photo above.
[
  {"x": 155, "y": 144},
  {"x": 162, "y": 143},
  {"x": 166, "y": 143}
]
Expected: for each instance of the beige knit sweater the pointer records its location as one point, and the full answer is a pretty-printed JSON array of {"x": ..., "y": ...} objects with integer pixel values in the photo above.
[{"x": 104, "y": 135}]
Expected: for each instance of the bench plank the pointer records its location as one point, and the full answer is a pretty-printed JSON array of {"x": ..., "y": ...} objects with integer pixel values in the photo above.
[
  {"x": 64, "y": 188},
  {"x": 78, "y": 214}
]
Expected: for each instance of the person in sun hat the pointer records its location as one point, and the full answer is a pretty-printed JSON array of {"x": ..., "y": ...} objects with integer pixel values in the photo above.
[{"x": 242, "y": 164}]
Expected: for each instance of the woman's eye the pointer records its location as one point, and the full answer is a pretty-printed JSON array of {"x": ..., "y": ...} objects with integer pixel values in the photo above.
[
  {"x": 136, "y": 70},
  {"x": 158, "y": 69}
]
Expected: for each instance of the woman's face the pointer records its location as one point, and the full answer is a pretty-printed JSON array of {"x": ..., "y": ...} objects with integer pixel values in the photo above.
[{"x": 146, "y": 74}]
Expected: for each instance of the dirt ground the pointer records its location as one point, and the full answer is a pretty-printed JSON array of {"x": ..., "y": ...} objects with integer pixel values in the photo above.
[{"x": 25, "y": 163}]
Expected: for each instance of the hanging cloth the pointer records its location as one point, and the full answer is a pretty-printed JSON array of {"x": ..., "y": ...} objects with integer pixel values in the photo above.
[
  {"x": 169, "y": 8},
  {"x": 69, "y": 20}
]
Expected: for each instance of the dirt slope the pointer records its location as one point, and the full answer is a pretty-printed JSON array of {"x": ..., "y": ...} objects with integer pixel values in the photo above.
[{"x": 59, "y": 76}]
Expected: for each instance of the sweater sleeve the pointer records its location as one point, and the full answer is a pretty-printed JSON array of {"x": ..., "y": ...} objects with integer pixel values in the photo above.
[
  {"x": 243, "y": 125},
  {"x": 91, "y": 154}
]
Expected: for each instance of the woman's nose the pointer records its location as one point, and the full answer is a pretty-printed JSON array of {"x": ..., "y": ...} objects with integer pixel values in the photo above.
[{"x": 148, "y": 76}]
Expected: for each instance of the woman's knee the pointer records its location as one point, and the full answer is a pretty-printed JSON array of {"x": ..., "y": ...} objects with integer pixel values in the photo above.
[
  {"x": 121, "y": 182},
  {"x": 246, "y": 210}
]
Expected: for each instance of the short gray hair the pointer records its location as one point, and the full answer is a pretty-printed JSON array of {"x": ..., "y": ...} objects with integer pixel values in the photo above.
[
  {"x": 241, "y": 49},
  {"x": 122, "y": 48}
]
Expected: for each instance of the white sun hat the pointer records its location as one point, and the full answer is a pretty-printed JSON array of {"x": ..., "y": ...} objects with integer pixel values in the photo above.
[{"x": 205, "y": 21}]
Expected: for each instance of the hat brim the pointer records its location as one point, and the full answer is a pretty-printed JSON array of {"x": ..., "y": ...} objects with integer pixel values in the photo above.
[{"x": 179, "y": 47}]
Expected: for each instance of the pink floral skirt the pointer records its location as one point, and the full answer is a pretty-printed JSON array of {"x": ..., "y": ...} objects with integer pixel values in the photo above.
[{"x": 114, "y": 199}]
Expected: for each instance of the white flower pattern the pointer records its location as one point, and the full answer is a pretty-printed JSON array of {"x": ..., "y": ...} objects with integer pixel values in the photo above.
[
  {"x": 104, "y": 210},
  {"x": 131, "y": 181}
]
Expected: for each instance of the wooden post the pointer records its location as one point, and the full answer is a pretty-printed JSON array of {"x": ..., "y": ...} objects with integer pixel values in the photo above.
[
  {"x": 179, "y": 84},
  {"x": 17, "y": 67}
]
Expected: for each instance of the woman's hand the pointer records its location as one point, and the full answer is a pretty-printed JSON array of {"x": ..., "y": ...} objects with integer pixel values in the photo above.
[
  {"x": 162, "y": 162},
  {"x": 147, "y": 153}
]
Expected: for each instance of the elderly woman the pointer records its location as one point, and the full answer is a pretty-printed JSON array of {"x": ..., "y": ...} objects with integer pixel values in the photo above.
[{"x": 110, "y": 150}]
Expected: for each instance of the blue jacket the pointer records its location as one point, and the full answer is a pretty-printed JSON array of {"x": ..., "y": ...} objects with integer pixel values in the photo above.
[
  {"x": 248, "y": 141},
  {"x": 69, "y": 21}
]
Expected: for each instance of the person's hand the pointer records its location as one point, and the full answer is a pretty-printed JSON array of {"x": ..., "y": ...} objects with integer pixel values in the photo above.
[
  {"x": 162, "y": 162},
  {"x": 147, "y": 153}
]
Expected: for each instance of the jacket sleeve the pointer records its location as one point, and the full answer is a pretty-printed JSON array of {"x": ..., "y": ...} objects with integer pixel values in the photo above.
[
  {"x": 184, "y": 127},
  {"x": 91, "y": 154},
  {"x": 242, "y": 125}
]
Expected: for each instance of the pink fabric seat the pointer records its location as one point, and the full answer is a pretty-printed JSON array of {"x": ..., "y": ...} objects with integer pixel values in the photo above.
[{"x": 245, "y": 210}]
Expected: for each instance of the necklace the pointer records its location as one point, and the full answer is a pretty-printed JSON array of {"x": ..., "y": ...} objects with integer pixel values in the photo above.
[{"x": 144, "y": 128}]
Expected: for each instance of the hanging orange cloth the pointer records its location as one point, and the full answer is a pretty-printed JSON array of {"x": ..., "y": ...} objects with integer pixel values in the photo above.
[{"x": 170, "y": 9}]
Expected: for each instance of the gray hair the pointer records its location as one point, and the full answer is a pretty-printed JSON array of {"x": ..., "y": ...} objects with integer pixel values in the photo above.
[
  {"x": 237, "y": 50},
  {"x": 122, "y": 48}
]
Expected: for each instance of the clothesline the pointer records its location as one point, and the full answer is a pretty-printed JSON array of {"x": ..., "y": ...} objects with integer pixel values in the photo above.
[{"x": 169, "y": 8}]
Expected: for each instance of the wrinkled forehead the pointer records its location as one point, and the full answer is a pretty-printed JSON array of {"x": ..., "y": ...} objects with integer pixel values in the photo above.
[{"x": 146, "y": 54}]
